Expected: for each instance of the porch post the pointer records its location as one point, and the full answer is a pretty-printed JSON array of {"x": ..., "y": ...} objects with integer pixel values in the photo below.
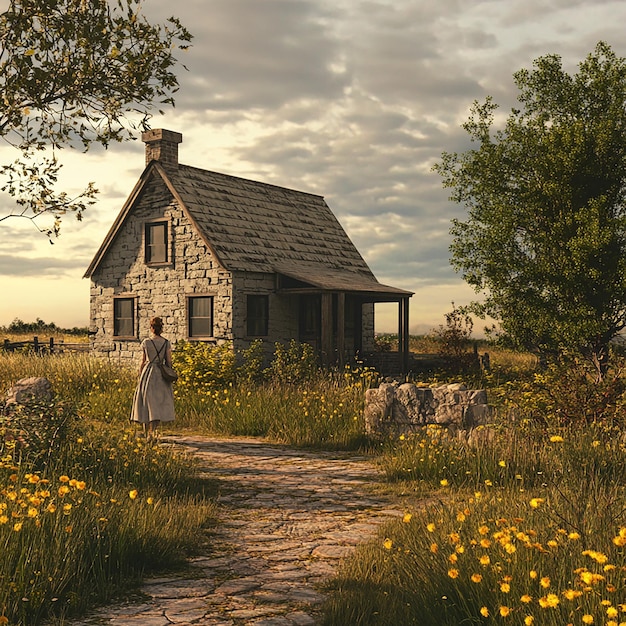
[
  {"x": 403, "y": 335},
  {"x": 405, "y": 349}
]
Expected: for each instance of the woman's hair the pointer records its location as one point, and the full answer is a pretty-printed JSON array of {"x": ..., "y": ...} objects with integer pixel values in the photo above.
[{"x": 156, "y": 324}]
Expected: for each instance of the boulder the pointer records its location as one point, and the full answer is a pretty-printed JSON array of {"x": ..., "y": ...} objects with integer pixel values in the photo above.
[{"x": 35, "y": 389}]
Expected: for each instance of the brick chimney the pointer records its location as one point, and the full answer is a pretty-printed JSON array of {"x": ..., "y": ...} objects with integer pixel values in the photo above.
[{"x": 162, "y": 146}]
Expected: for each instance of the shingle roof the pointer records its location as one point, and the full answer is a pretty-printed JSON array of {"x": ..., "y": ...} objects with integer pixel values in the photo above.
[
  {"x": 253, "y": 226},
  {"x": 257, "y": 227}
]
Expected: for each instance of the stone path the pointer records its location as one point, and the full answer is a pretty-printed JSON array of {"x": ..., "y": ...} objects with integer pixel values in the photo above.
[{"x": 287, "y": 517}]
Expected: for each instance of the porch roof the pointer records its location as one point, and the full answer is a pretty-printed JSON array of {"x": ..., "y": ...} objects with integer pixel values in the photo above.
[{"x": 321, "y": 278}]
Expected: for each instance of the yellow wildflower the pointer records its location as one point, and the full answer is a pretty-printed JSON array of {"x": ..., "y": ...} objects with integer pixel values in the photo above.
[
  {"x": 453, "y": 573},
  {"x": 587, "y": 619},
  {"x": 549, "y": 601},
  {"x": 529, "y": 620},
  {"x": 504, "y": 611},
  {"x": 387, "y": 544},
  {"x": 132, "y": 494},
  {"x": 526, "y": 598},
  {"x": 484, "y": 611},
  {"x": 485, "y": 560},
  {"x": 596, "y": 556},
  {"x": 545, "y": 582},
  {"x": 476, "y": 578}
]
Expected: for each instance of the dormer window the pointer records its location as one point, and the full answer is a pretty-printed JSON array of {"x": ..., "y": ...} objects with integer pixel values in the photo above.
[{"x": 157, "y": 244}]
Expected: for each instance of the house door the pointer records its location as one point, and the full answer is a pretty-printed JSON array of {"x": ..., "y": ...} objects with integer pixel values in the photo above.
[{"x": 310, "y": 321}]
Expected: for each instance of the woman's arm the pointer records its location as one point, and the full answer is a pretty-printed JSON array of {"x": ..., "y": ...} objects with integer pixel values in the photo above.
[{"x": 143, "y": 360}]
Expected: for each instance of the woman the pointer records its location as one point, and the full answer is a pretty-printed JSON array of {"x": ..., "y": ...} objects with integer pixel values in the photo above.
[{"x": 153, "y": 402}]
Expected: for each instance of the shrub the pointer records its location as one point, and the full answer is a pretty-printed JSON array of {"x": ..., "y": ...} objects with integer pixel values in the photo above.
[
  {"x": 567, "y": 393},
  {"x": 202, "y": 367},
  {"x": 455, "y": 344},
  {"x": 294, "y": 364}
]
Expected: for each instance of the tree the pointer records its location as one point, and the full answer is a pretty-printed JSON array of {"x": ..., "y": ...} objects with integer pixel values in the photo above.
[
  {"x": 74, "y": 73},
  {"x": 545, "y": 236}
]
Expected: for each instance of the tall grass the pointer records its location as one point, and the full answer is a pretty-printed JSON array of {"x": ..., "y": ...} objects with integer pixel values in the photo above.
[
  {"x": 322, "y": 414},
  {"x": 495, "y": 557},
  {"x": 86, "y": 506},
  {"x": 528, "y": 528}
]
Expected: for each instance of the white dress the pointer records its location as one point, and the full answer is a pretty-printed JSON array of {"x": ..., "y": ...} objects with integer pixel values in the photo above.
[{"x": 154, "y": 396}]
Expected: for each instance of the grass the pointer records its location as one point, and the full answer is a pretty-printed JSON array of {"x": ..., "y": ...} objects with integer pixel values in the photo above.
[
  {"x": 492, "y": 557},
  {"x": 529, "y": 528},
  {"x": 86, "y": 506},
  {"x": 544, "y": 499}
]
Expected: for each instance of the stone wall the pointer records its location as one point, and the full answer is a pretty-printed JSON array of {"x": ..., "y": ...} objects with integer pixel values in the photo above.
[
  {"x": 159, "y": 290},
  {"x": 402, "y": 408}
]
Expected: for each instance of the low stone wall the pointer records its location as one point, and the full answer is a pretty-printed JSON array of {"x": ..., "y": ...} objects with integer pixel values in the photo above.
[{"x": 402, "y": 408}]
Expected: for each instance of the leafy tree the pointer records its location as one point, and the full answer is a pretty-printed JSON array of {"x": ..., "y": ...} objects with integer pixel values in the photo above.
[
  {"x": 74, "y": 73},
  {"x": 545, "y": 235}
]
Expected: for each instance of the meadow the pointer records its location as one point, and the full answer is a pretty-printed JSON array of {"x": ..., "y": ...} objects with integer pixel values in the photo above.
[{"x": 528, "y": 528}]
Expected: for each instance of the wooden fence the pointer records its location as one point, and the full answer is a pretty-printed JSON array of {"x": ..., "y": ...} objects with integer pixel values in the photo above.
[{"x": 49, "y": 346}]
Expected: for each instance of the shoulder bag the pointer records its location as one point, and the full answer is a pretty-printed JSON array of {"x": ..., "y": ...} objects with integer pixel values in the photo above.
[{"x": 169, "y": 373}]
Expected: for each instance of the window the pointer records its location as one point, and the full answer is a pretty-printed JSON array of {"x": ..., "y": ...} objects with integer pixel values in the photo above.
[
  {"x": 200, "y": 316},
  {"x": 124, "y": 317},
  {"x": 257, "y": 315},
  {"x": 156, "y": 242}
]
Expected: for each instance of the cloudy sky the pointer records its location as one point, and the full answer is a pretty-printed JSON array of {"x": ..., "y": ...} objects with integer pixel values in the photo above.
[{"x": 350, "y": 99}]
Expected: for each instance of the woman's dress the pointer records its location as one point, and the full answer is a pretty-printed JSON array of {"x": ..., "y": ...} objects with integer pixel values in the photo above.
[{"x": 154, "y": 396}]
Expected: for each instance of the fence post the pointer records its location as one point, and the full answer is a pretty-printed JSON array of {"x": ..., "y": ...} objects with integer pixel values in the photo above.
[
  {"x": 51, "y": 345},
  {"x": 7, "y": 345},
  {"x": 36, "y": 344}
]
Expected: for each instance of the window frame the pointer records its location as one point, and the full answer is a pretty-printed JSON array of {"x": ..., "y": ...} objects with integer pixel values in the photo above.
[
  {"x": 133, "y": 319},
  {"x": 253, "y": 320},
  {"x": 149, "y": 244},
  {"x": 190, "y": 298}
]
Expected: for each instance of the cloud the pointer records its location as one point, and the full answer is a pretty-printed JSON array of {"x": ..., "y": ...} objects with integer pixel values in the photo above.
[
  {"x": 354, "y": 101},
  {"x": 20, "y": 265}
]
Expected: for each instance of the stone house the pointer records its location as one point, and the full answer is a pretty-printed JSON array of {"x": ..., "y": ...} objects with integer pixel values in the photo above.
[{"x": 225, "y": 259}]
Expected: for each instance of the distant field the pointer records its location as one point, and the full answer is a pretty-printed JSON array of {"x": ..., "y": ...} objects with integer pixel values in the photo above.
[{"x": 45, "y": 337}]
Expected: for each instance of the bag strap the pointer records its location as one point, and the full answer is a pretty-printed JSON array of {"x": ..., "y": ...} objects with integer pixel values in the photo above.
[{"x": 158, "y": 350}]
